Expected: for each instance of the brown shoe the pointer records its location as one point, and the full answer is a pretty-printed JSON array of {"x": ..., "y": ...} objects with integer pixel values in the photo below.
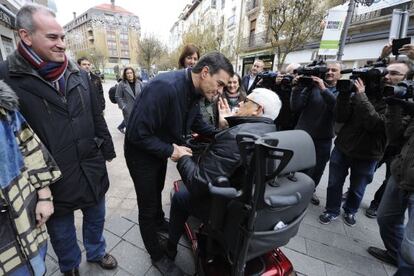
[
  {"x": 107, "y": 262},
  {"x": 73, "y": 272}
]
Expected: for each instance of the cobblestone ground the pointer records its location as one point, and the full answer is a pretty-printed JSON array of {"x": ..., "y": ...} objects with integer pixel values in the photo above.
[{"x": 334, "y": 249}]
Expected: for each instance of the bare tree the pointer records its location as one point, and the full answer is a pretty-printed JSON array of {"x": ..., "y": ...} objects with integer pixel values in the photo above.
[
  {"x": 292, "y": 24},
  {"x": 150, "y": 50}
]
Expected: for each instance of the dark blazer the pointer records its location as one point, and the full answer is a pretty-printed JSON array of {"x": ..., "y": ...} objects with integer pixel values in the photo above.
[
  {"x": 245, "y": 82},
  {"x": 164, "y": 112},
  {"x": 71, "y": 127}
]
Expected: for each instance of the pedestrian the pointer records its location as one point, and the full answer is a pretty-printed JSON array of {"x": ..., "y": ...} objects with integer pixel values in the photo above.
[
  {"x": 165, "y": 112},
  {"x": 189, "y": 56},
  {"x": 26, "y": 171},
  {"x": 96, "y": 80},
  {"x": 59, "y": 103},
  {"x": 250, "y": 80},
  {"x": 234, "y": 93},
  {"x": 127, "y": 91}
]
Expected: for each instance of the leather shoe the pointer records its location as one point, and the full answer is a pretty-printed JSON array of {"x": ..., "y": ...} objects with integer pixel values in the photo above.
[
  {"x": 73, "y": 272},
  {"x": 382, "y": 255},
  {"x": 107, "y": 262},
  {"x": 315, "y": 200},
  {"x": 167, "y": 267}
]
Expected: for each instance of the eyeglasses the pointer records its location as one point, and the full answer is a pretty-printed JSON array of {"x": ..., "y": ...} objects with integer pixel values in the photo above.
[{"x": 246, "y": 100}]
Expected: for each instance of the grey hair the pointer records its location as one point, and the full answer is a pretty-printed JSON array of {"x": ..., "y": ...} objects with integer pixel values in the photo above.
[
  {"x": 24, "y": 17},
  {"x": 340, "y": 64}
]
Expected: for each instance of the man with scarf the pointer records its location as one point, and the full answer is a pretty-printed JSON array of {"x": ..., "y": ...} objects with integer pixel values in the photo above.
[{"x": 57, "y": 100}]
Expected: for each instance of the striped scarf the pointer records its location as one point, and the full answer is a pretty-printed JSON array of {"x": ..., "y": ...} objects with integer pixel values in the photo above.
[{"x": 52, "y": 72}]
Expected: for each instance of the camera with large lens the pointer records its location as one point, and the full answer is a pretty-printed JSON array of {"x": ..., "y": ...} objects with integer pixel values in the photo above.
[
  {"x": 267, "y": 79},
  {"x": 403, "y": 90},
  {"x": 316, "y": 68},
  {"x": 371, "y": 75}
]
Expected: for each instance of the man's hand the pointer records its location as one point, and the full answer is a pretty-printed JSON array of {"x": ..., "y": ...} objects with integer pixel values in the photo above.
[
  {"x": 44, "y": 209},
  {"x": 224, "y": 111},
  {"x": 180, "y": 151},
  {"x": 360, "y": 86},
  {"x": 408, "y": 50},
  {"x": 386, "y": 51},
  {"x": 319, "y": 83}
]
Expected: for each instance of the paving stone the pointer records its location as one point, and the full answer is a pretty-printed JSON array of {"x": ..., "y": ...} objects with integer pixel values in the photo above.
[
  {"x": 336, "y": 226},
  {"x": 51, "y": 266},
  {"x": 389, "y": 269},
  {"x": 305, "y": 264},
  {"x": 111, "y": 240},
  {"x": 153, "y": 272},
  {"x": 333, "y": 270},
  {"x": 50, "y": 252},
  {"x": 364, "y": 234},
  {"x": 128, "y": 203},
  {"x": 134, "y": 236},
  {"x": 297, "y": 244},
  {"x": 185, "y": 260},
  {"x": 122, "y": 272},
  {"x": 118, "y": 225},
  {"x": 328, "y": 238},
  {"x": 345, "y": 259},
  {"x": 132, "y": 216},
  {"x": 131, "y": 258}
]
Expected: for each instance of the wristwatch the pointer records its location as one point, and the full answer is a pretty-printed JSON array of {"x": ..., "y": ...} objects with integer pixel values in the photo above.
[{"x": 45, "y": 199}]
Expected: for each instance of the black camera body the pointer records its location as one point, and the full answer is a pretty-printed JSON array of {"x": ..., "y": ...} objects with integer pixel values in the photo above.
[
  {"x": 371, "y": 75},
  {"x": 268, "y": 79},
  {"x": 316, "y": 68},
  {"x": 403, "y": 90}
]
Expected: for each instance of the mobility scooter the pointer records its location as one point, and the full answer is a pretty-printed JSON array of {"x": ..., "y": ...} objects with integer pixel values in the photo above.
[{"x": 247, "y": 224}]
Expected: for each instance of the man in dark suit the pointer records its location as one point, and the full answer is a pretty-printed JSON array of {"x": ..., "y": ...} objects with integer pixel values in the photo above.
[
  {"x": 249, "y": 81},
  {"x": 85, "y": 64},
  {"x": 166, "y": 110}
]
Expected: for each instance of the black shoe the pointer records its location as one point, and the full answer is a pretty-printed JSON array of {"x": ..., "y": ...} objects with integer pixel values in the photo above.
[
  {"x": 167, "y": 267},
  {"x": 162, "y": 226},
  {"x": 169, "y": 249},
  {"x": 371, "y": 212},
  {"x": 382, "y": 255},
  {"x": 327, "y": 218},
  {"x": 315, "y": 200},
  {"x": 73, "y": 272},
  {"x": 349, "y": 219}
]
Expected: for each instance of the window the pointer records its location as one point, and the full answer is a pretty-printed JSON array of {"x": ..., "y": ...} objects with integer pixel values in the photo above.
[
  {"x": 252, "y": 32},
  {"x": 231, "y": 21},
  {"x": 213, "y": 4},
  {"x": 8, "y": 45},
  {"x": 112, "y": 60},
  {"x": 223, "y": 3}
]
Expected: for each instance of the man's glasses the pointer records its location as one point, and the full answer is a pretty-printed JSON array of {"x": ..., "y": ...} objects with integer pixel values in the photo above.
[{"x": 246, "y": 100}]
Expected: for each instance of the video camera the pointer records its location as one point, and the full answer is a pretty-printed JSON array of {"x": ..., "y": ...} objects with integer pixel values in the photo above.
[
  {"x": 403, "y": 90},
  {"x": 316, "y": 68},
  {"x": 267, "y": 78},
  {"x": 370, "y": 74}
]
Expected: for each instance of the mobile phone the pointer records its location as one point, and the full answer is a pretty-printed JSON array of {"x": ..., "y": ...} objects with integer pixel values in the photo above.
[{"x": 398, "y": 43}]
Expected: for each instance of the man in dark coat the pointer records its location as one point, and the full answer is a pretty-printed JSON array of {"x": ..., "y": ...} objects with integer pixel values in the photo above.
[
  {"x": 59, "y": 104},
  {"x": 96, "y": 81},
  {"x": 256, "y": 115},
  {"x": 165, "y": 111},
  {"x": 250, "y": 80}
]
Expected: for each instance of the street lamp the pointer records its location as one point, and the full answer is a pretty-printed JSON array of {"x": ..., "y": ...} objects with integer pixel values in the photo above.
[{"x": 350, "y": 12}]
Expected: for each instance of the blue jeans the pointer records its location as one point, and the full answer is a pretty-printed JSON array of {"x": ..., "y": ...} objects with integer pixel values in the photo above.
[
  {"x": 322, "y": 151},
  {"x": 362, "y": 172},
  {"x": 398, "y": 240},
  {"x": 37, "y": 263},
  {"x": 62, "y": 234}
]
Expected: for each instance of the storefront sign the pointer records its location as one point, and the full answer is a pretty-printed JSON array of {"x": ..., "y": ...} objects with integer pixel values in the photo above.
[{"x": 332, "y": 33}]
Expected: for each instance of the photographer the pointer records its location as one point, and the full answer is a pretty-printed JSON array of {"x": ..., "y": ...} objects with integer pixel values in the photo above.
[
  {"x": 359, "y": 145},
  {"x": 316, "y": 105},
  {"x": 399, "y": 191},
  {"x": 287, "y": 119}
]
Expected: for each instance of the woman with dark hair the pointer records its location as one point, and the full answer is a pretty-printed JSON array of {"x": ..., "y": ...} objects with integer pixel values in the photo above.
[
  {"x": 127, "y": 91},
  {"x": 234, "y": 92},
  {"x": 189, "y": 56}
]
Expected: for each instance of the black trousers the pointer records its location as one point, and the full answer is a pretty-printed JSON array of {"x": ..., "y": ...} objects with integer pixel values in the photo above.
[{"x": 148, "y": 174}]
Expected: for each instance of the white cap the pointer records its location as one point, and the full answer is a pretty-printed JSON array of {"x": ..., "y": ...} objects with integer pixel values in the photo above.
[{"x": 268, "y": 100}]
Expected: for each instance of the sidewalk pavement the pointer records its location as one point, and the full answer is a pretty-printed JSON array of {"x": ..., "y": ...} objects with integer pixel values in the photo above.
[{"x": 319, "y": 250}]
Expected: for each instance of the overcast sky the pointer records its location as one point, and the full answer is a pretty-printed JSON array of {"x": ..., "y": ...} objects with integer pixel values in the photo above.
[{"x": 156, "y": 16}]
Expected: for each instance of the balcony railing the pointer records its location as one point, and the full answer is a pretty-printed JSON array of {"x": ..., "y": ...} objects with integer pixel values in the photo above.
[
  {"x": 252, "y": 5},
  {"x": 255, "y": 40}
]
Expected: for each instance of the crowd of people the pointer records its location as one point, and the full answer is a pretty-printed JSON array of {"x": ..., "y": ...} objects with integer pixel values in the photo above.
[{"x": 54, "y": 145}]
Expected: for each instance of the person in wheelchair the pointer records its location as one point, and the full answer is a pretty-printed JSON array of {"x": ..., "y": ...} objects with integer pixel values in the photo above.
[{"x": 256, "y": 115}]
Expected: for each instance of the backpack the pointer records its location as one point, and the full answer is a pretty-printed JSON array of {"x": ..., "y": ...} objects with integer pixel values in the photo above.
[{"x": 112, "y": 92}]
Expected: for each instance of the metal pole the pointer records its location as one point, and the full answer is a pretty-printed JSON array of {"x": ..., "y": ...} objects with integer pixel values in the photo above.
[{"x": 350, "y": 12}]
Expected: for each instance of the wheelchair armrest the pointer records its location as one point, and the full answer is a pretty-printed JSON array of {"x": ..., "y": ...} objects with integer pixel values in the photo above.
[
  {"x": 227, "y": 192},
  {"x": 277, "y": 201}
]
